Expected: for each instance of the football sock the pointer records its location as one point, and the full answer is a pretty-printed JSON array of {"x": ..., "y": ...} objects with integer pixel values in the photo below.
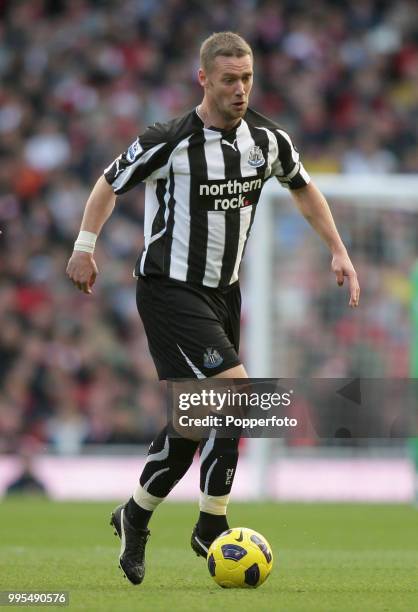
[
  {"x": 209, "y": 526},
  {"x": 136, "y": 515},
  {"x": 168, "y": 460},
  {"x": 218, "y": 461}
]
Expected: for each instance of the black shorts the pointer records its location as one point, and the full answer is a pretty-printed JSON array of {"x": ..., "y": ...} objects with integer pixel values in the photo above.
[{"x": 192, "y": 331}]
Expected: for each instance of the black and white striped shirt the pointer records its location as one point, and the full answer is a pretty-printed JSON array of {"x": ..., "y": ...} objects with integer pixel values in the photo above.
[{"x": 202, "y": 189}]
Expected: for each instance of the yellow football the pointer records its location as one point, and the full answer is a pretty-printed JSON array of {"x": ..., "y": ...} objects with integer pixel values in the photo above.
[{"x": 240, "y": 558}]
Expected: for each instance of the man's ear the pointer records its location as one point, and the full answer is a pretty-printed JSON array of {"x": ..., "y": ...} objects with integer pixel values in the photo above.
[{"x": 202, "y": 77}]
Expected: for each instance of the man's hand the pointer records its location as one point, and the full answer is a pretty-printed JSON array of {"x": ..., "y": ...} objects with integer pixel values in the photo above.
[
  {"x": 341, "y": 265},
  {"x": 315, "y": 209},
  {"x": 82, "y": 270}
]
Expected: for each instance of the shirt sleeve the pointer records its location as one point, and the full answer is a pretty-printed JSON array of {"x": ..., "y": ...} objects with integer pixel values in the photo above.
[
  {"x": 287, "y": 167},
  {"x": 147, "y": 159}
]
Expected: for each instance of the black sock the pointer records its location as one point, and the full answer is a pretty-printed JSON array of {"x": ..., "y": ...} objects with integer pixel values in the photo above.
[
  {"x": 169, "y": 458},
  {"x": 209, "y": 526},
  {"x": 218, "y": 462},
  {"x": 137, "y": 516}
]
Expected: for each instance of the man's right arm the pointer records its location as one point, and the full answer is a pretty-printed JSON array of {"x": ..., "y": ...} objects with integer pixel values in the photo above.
[
  {"x": 146, "y": 159},
  {"x": 82, "y": 268}
]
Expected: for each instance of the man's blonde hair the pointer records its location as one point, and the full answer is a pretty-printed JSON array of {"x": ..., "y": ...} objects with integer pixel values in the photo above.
[{"x": 227, "y": 44}]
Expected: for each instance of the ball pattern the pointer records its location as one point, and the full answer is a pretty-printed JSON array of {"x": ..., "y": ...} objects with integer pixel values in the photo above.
[{"x": 240, "y": 557}]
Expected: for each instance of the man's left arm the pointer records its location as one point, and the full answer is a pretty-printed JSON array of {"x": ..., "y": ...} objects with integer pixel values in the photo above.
[{"x": 316, "y": 211}]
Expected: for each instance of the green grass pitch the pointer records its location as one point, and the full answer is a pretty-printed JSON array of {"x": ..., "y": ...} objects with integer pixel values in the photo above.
[{"x": 327, "y": 558}]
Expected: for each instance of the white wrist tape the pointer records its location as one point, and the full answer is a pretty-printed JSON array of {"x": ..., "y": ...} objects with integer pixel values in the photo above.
[{"x": 86, "y": 241}]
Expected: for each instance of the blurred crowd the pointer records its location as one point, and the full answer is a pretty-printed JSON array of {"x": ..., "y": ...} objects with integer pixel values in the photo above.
[
  {"x": 80, "y": 79},
  {"x": 320, "y": 336}
]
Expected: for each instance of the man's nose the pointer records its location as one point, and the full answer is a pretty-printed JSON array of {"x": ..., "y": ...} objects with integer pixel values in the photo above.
[{"x": 240, "y": 88}]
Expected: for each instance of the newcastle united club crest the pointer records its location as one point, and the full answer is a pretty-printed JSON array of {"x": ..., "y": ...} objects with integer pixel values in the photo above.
[
  {"x": 256, "y": 157},
  {"x": 212, "y": 358}
]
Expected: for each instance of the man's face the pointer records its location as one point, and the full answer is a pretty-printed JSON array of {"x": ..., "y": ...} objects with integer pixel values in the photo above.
[{"x": 228, "y": 85}]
